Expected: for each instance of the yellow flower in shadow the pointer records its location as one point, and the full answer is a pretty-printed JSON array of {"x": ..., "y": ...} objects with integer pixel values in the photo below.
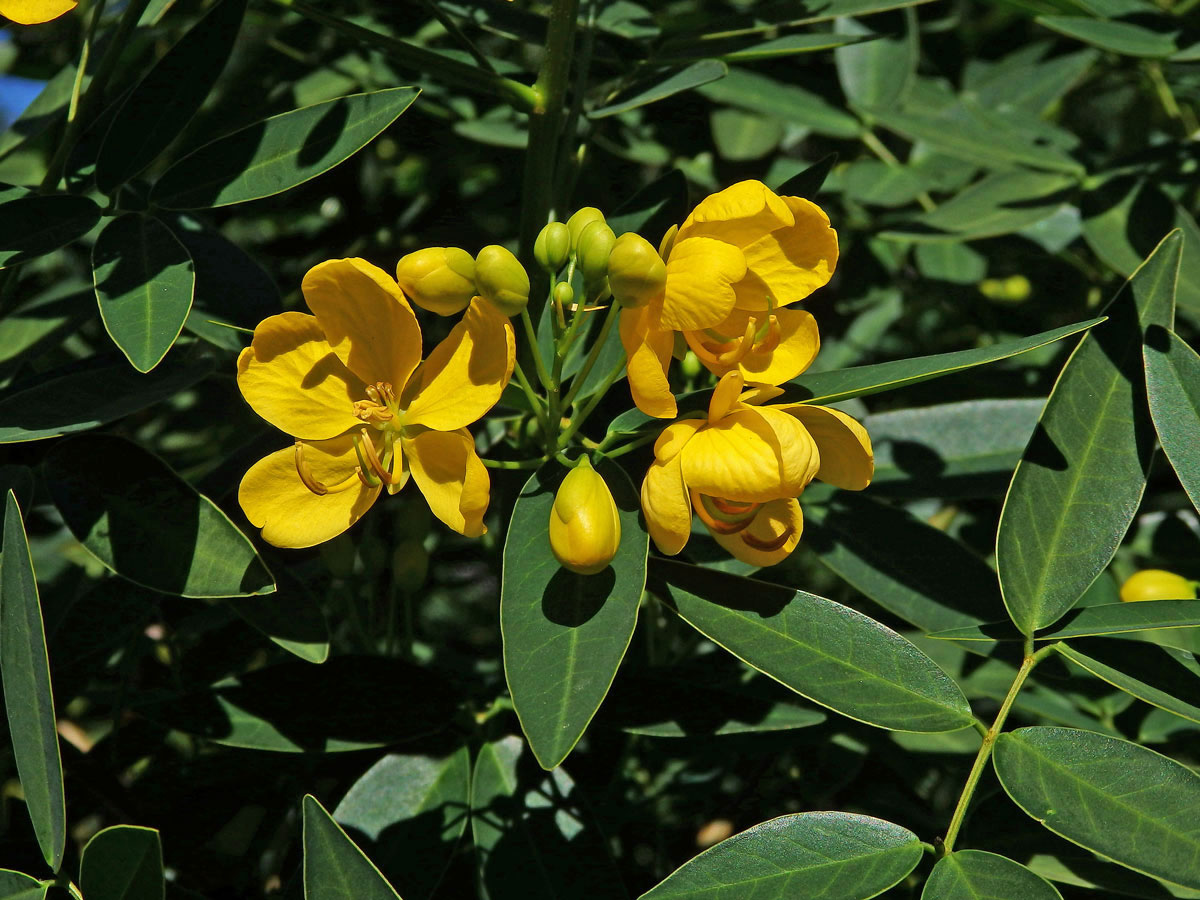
[
  {"x": 34, "y": 12},
  {"x": 349, "y": 384},
  {"x": 742, "y": 468},
  {"x": 734, "y": 266}
]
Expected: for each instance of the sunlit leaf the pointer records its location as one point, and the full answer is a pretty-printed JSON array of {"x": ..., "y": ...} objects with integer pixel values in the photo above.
[
  {"x": 1126, "y": 38},
  {"x": 19, "y": 886},
  {"x": 878, "y": 72},
  {"x": 661, "y": 86},
  {"x": 759, "y": 93},
  {"x": 1107, "y": 618},
  {"x": 1173, "y": 389},
  {"x": 976, "y": 875},
  {"x": 334, "y": 866}
]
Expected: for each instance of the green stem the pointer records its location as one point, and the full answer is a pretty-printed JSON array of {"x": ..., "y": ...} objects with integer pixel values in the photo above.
[
  {"x": 457, "y": 33},
  {"x": 535, "y": 402},
  {"x": 989, "y": 741},
  {"x": 590, "y": 362},
  {"x": 412, "y": 57},
  {"x": 876, "y": 146},
  {"x": 578, "y": 420},
  {"x": 545, "y": 126},
  {"x": 630, "y": 447},
  {"x": 535, "y": 351},
  {"x": 514, "y": 463}
]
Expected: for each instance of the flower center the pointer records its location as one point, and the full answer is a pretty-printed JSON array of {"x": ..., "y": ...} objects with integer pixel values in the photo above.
[
  {"x": 380, "y": 406},
  {"x": 725, "y": 516},
  {"x": 375, "y": 452}
]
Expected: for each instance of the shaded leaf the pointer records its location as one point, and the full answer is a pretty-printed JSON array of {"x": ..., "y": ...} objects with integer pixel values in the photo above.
[
  {"x": 164, "y": 101},
  {"x": 565, "y": 634},
  {"x": 827, "y": 652},
  {"x": 144, "y": 285},
  {"x": 878, "y": 72},
  {"x": 1126, "y": 38},
  {"x": 19, "y": 886},
  {"x": 1173, "y": 389},
  {"x": 831, "y": 855},
  {"x": 1161, "y": 676},
  {"x": 409, "y": 813},
  {"x": 807, "y": 183},
  {"x": 950, "y": 261},
  {"x": 291, "y": 619},
  {"x": 976, "y": 875},
  {"x": 653, "y": 209},
  {"x": 144, "y": 522},
  {"x": 33, "y": 225},
  {"x": 334, "y": 866},
  {"x": 28, "y": 697},
  {"x": 661, "y": 86},
  {"x": 759, "y": 93},
  {"x": 276, "y": 154},
  {"x": 1115, "y": 798},
  {"x": 1081, "y": 479},
  {"x": 1085, "y": 621},
  {"x": 123, "y": 862}
]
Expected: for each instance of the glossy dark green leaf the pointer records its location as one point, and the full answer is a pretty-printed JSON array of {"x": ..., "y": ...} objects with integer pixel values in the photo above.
[
  {"x": 1126, "y": 38},
  {"x": 334, "y": 866},
  {"x": 1162, "y": 676},
  {"x": 28, "y": 697},
  {"x": 827, "y": 652},
  {"x": 807, "y": 182},
  {"x": 276, "y": 154},
  {"x": 19, "y": 886},
  {"x": 47, "y": 107},
  {"x": 350, "y": 703},
  {"x": 78, "y": 398},
  {"x": 293, "y": 621},
  {"x": 976, "y": 875},
  {"x": 661, "y": 86},
  {"x": 565, "y": 634},
  {"x": 144, "y": 522},
  {"x": 43, "y": 321},
  {"x": 1173, "y": 389},
  {"x": 1115, "y": 798},
  {"x": 534, "y": 839},
  {"x": 759, "y": 93},
  {"x": 1081, "y": 479},
  {"x": 907, "y": 566},
  {"x": 1087, "y": 621},
  {"x": 878, "y": 72},
  {"x": 164, "y": 101},
  {"x": 961, "y": 449},
  {"x": 831, "y": 855},
  {"x": 144, "y": 285},
  {"x": 33, "y": 225},
  {"x": 123, "y": 862},
  {"x": 1001, "y": 203},
  {"x": 408, "y": 814}
]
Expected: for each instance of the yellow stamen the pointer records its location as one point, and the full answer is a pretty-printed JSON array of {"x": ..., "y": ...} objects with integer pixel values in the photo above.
[
  {"x": 373, "y": 461},
  {"x": 310, "y": 481},
  {"x": 768, "y": 546},
  {"x": 723, "y": 516}
]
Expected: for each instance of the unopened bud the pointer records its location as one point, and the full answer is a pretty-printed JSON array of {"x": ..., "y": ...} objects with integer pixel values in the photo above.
[
  {"x": 595, "y": 244},
  {"x": 564, "y": 294},
  {"x": 636, "y": 272},
  {"x": 581, "y": 220},
  {"x": 502, "y": 279},
  {"x": 439, "y": 279},
  {"x": 1157, "y": 584},
  {"x": 552, "y": 247},
  {"x": 585, "y": 529}
]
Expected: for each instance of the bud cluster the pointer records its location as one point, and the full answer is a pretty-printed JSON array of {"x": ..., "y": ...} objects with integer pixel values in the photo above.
[{"x": 444, "y": 280}]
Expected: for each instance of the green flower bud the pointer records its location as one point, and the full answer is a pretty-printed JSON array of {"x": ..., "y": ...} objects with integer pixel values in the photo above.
[
  {"x": 439, "y": 279},
  {"x": 636, "y": 272},
  {"x": 691, "y": 365},
  {"x": 581, "y": 220},
  {"x": 1157, "y": 584},
  {"x": 552, "y": 247},
  {"x": 585, "y": 529},
  {"x": 595, "y": 244},
  {"x": 564, "y": 294},
  {"x": 502, "y": 279}
]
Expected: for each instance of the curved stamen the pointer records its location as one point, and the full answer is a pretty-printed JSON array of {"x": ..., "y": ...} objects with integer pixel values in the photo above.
[
  {"x": 310, "y": 481},
  {"x": 724, "y": 521},
  {"x": 373, "y": 461},
  {"x": 768, "y": 546}
]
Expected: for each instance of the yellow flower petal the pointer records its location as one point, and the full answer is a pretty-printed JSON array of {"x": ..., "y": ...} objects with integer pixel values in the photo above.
[
  {"x": 724, "y": 397},
  {"x": 738, "y": 215},
  {"x": 751, "y": 455},
  {"x": 668, "y": 444},
  {"x": 291, "y": 377},
  {"x": 847, "y": 460},
  {"x": 465, "y": 374},
  {"x": 798, "y": 343},
  {"x": 452, "y": 478},
  {"x": 368, "y": 322},
  {"x": 789, "y": 263},
  {"x": 648, "y": 351},
  {"x": 700, "y": 277},
  {"x": 666, "y": 506},
  {"x": 763, "y": 542},
  {"x": 289, "y": 514},
  {"x": 34, "y": 12}
]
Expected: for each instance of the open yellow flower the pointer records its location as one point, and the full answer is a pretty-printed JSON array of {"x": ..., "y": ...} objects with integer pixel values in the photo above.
[
  {"x": 34, "y": 12},
  {"x": 742, "y": 468},
  {"x": 349, "y": 384},
  {"x": 736, "y": 263}
]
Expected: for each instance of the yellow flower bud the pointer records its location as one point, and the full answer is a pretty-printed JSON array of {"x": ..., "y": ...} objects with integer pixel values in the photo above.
[
  {"x": 581, "y": 220},
  {"x": 585, "y": 529},
  {"x": 595, "y": 244},
  {"x": 552, "y": 247},
  {"x": 502, "y": 279},
  {"x": 439, "y": 279},
  {"x": 636, "y": 272},
  {"x": 1157, "y": 584}
]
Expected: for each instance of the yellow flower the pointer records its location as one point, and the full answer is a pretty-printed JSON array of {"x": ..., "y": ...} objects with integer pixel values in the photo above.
[
  {"x": 585, "y": 529},
  {"x": 1157, "y": 584},
  {"x": 34, "y": 12},
  {"x": 349, "y": 384},
  {"x": 742, "y": 468},
  {"x": 740, "y": 258}
]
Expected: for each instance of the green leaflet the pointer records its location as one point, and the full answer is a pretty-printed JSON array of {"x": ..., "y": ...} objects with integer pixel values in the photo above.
[
  {"x": 976, "y": 875},
  {"x": 123, "y": 862},
  {"x": 1106, "y": 618},
  {"x": 1173, "y": 389},
  {"x": 1162, "y": 676},
  {"x": 334, "y": 866}
]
